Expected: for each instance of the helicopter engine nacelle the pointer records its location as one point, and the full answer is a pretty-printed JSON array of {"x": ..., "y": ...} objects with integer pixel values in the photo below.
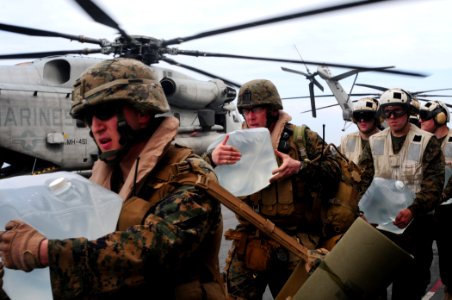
[{"x": 195, "y": 94}]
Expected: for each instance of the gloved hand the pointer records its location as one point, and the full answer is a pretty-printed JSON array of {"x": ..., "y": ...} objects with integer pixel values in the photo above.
[
  {"x": 315, "y": 258},
  {"x": 19, "y": 246}
]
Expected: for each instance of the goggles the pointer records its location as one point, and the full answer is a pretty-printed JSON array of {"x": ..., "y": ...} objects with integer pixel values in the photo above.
[
  {"x": 397, "y": 113},
  {"x": 102, "y": 112},
  {"x": 363, "y": 115},
  {"x": 426, "y": 115}
]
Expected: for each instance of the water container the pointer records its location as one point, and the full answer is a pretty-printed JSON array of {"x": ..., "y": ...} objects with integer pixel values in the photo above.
[
  {"x": 60, "y": 205},
  {"x": 383, "y": 200},
  {"x": 253, "y": 171}
]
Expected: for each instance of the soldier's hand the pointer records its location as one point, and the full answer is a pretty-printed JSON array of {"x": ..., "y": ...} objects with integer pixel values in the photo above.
[
  {"x": 225, "y": 154},
  {"x": 288, "y": 167},
  {"x": 315, "y": 258},
  {"x": 20, "y": 246},
  {"x": 403, "y": 218}
]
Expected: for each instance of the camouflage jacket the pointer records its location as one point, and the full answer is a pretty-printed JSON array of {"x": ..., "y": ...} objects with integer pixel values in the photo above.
[
  {"x": 312, "y": 187},
  {"x": 164, "y": 252},
  {"x": 432, "y": 175}
]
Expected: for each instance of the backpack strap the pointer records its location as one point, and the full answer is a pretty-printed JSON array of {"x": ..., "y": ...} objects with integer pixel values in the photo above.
[{"x": 299, "y": 138}]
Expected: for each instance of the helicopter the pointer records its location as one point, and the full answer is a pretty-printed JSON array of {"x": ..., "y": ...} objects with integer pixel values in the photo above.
[
  {"x": 36, "y": 128},
  {"x": 343, "y": 98},
  {"x": 36, "y": 131}
]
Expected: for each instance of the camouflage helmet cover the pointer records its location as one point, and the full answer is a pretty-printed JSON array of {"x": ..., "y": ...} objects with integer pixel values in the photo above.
[
  {"x": 119, "y": 79},
  {"x": 258, "y": 92}
]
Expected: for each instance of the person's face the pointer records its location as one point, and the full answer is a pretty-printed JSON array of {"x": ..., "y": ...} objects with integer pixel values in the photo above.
[
  {"x": 104, "y": 126},
  {"x": 255, "y": 117},
  {"x": 365, "y": 121},
  {"x": 428, "y": 125},
  {"x": 396, "y": 117}
]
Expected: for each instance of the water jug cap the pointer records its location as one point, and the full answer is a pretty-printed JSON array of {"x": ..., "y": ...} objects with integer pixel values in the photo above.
[
  {"x": 399, "y": 185},
  {"x": 59, "y": 185}
]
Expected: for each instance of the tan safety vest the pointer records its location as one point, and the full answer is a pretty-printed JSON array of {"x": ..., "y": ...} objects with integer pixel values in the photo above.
[
  {"x": 406, "y": 165},
  {"x": 446, "y": 146},
  {"x": 351, "y": 146}
]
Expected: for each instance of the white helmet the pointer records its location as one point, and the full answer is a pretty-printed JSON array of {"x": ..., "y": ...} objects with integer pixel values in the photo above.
[
  {"x": 395, "y": 97},
  {"x": 366, "y": 104},
  {"x": 367, "y": 109},
  {"x": 436, "y": 110}
]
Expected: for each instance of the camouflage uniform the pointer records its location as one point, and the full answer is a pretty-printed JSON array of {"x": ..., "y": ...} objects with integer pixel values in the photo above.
[
  {"x": 313, "y": 186},
  {"x": 414, "y": 279},
  {"x": 177, "y": 243},
  {"x": 297, "y": 205}
]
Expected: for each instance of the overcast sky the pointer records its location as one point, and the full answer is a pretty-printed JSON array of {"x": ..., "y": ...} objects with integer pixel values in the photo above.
[{"x": 411, "y": 35}]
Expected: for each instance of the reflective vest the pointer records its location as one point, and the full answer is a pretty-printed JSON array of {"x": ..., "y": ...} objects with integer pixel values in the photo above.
[
  {"x": 406, "y": 165},
  {"x": 446, "y": 146},
  {"x": 351, "y": 146}
]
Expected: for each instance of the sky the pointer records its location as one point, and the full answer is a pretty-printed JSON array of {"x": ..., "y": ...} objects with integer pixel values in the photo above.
[{"x": 411, "y": 35}]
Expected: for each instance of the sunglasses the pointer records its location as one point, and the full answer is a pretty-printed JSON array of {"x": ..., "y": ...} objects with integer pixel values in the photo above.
[
  {"x": 255, "y": 110},
  {"x": 102, "y": 112},
  {"x": 395, "y": 113},
  {"x": 363, "y": 115}
]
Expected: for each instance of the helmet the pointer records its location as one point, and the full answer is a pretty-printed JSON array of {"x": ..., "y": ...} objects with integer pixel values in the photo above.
[
  {"x": 120, "y": 79},
  {"x": 415, "y": 105},
  {"x": 258, "y": 92},
  {"x": 436, "y": 110},
  {"x": 366, "y": 108},
  {"x": 366, "y": 104},
  {"x": 396, "y": 97}
]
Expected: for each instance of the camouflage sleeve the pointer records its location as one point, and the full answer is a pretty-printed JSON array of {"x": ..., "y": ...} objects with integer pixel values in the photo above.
[
  {"x": 324, "y": 172},
  {"x": 433, "y": 168},
  {"x": 121, "y": 259},
  {"x": 366, "y": 164},
  {"x": 447, "y": 193}
]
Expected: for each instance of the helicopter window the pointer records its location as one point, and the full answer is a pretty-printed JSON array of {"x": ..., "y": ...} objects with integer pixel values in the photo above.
[{"x": 57, "y": 71}]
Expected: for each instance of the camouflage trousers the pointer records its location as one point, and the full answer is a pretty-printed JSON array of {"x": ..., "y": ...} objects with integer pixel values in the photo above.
[{"x": 243, "y": 282}]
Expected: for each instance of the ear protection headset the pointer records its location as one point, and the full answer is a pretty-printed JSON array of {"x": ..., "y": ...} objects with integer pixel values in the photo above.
[
  {"x": 439, "y": 111},
  {"x": 440, "y": 118}
]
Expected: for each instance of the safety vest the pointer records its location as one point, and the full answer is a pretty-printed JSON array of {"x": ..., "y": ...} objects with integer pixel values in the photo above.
[
  {"x": 406, "y": 165},
  {"x": 446, "y": 146},
  {"x": 351, "y": 146}
]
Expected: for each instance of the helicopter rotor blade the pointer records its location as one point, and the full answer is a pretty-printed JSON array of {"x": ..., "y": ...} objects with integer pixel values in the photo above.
[
  {"x": 323, "y": 107},
  {"x": 316, "y": 82},
  {"x": 39, "y": 32},
  {"x": 175, "y": 63},
  {"x": 311, "y": 93},
  {"x": 329, "y": 96},
  {"x": 310, "y": 77},
  {"x": 434, "y": 96},
  {"x": 362, "y": 68},
  {"x": 266, "y": 21},
  {"x": 295, "y": 71},
  {"x": 371, "y": 86},
  {"x": 418, "y": 93},
  {"x": 49, "y": 53},
  {"x": 98, "y": 15},
  {"x": 428, "y": 91},
  {"x": 353, "y": 72}
]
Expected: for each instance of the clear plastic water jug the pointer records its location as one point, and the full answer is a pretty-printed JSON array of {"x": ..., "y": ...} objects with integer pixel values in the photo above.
[
  {"x": 383, "y": 200},
  {"x": 60, "y": 205},
  {"x": 254, "y": 170}
]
